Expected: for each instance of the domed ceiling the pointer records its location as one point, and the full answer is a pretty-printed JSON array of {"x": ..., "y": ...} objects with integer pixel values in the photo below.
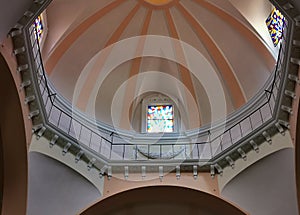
[{"x": 106, "y": 56}]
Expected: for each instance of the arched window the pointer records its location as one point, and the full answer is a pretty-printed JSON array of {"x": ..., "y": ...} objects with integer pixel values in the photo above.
[
  {"x": 159, "y": 115},
  {"x": 160, "y": 118},
  {"x": 39, "y": 27},
  {"x": 276, "y": 23}
]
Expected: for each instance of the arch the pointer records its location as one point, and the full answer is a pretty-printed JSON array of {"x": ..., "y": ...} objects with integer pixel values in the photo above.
[
  {"x": 162, "y": 199},
  {"x": 13, "y": 144},
  {"x": 297, "y": 159},
  {"x": 1, "y": 171}
]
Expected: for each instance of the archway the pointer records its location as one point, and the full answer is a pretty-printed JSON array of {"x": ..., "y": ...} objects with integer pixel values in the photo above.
[
  {"x": 162, "y": 200},
  {"x": 13, "y": 144}
]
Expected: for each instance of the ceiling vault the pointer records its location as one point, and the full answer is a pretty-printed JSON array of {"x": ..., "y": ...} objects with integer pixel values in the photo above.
[
  {"x": 221, "y": 62},
  {"x": 184, "y": 72},
  {"x": 248, "y": 33},
  {"x": 83, "y": 98},
  {"x": 135, "y": 69},
  {"x": 68, "y": 41}
]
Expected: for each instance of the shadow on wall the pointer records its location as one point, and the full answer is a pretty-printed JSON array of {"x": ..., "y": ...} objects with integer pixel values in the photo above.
[{"x": 268, "y": 187}]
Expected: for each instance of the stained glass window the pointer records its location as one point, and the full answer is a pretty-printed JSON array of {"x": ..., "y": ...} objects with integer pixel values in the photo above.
[
  {"x": 275, "y": 23},
  {"x": 39, "y": 27},
  {"x": 160, "y": 118}
]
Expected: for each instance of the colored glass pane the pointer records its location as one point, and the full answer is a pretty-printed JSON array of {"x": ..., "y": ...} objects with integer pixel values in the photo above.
[
  {"x": 160, "y": 118},
  {"x": 275, "y": 23},
  {"x": 39, "y": 27}
]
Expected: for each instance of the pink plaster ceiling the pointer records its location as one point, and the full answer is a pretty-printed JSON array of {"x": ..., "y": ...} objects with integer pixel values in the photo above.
[{"x": 215, "y": 28}]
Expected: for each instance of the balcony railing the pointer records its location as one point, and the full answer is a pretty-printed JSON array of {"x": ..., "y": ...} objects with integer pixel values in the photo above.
[
  {"x": 104, "y": 141},
  {"x": 205, "y": 146}
]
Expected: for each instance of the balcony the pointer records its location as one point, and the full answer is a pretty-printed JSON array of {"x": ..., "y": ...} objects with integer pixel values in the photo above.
[{"x": 107, "y": 149}]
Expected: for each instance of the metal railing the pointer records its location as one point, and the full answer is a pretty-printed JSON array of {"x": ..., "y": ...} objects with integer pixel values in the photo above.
[{"x": 202, "y": 146}]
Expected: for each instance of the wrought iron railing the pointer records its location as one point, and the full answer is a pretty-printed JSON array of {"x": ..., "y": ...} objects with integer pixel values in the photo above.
[{"x": 204, "y": 145}]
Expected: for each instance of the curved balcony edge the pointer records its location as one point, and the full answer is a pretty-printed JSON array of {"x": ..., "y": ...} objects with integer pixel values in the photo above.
[{"x": 205, "y": 148}]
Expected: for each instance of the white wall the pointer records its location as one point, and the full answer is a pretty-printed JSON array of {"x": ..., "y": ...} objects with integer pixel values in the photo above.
[
  {"x": 268, "y": 187},
  {"x": 55, "y": 189}
]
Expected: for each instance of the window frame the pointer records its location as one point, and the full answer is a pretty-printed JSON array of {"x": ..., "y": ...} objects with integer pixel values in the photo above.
[{"x": 156, "y": 100}]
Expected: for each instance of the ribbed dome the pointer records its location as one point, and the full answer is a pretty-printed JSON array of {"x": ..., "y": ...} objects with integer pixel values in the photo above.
[{"x": 109, "y": 53}]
